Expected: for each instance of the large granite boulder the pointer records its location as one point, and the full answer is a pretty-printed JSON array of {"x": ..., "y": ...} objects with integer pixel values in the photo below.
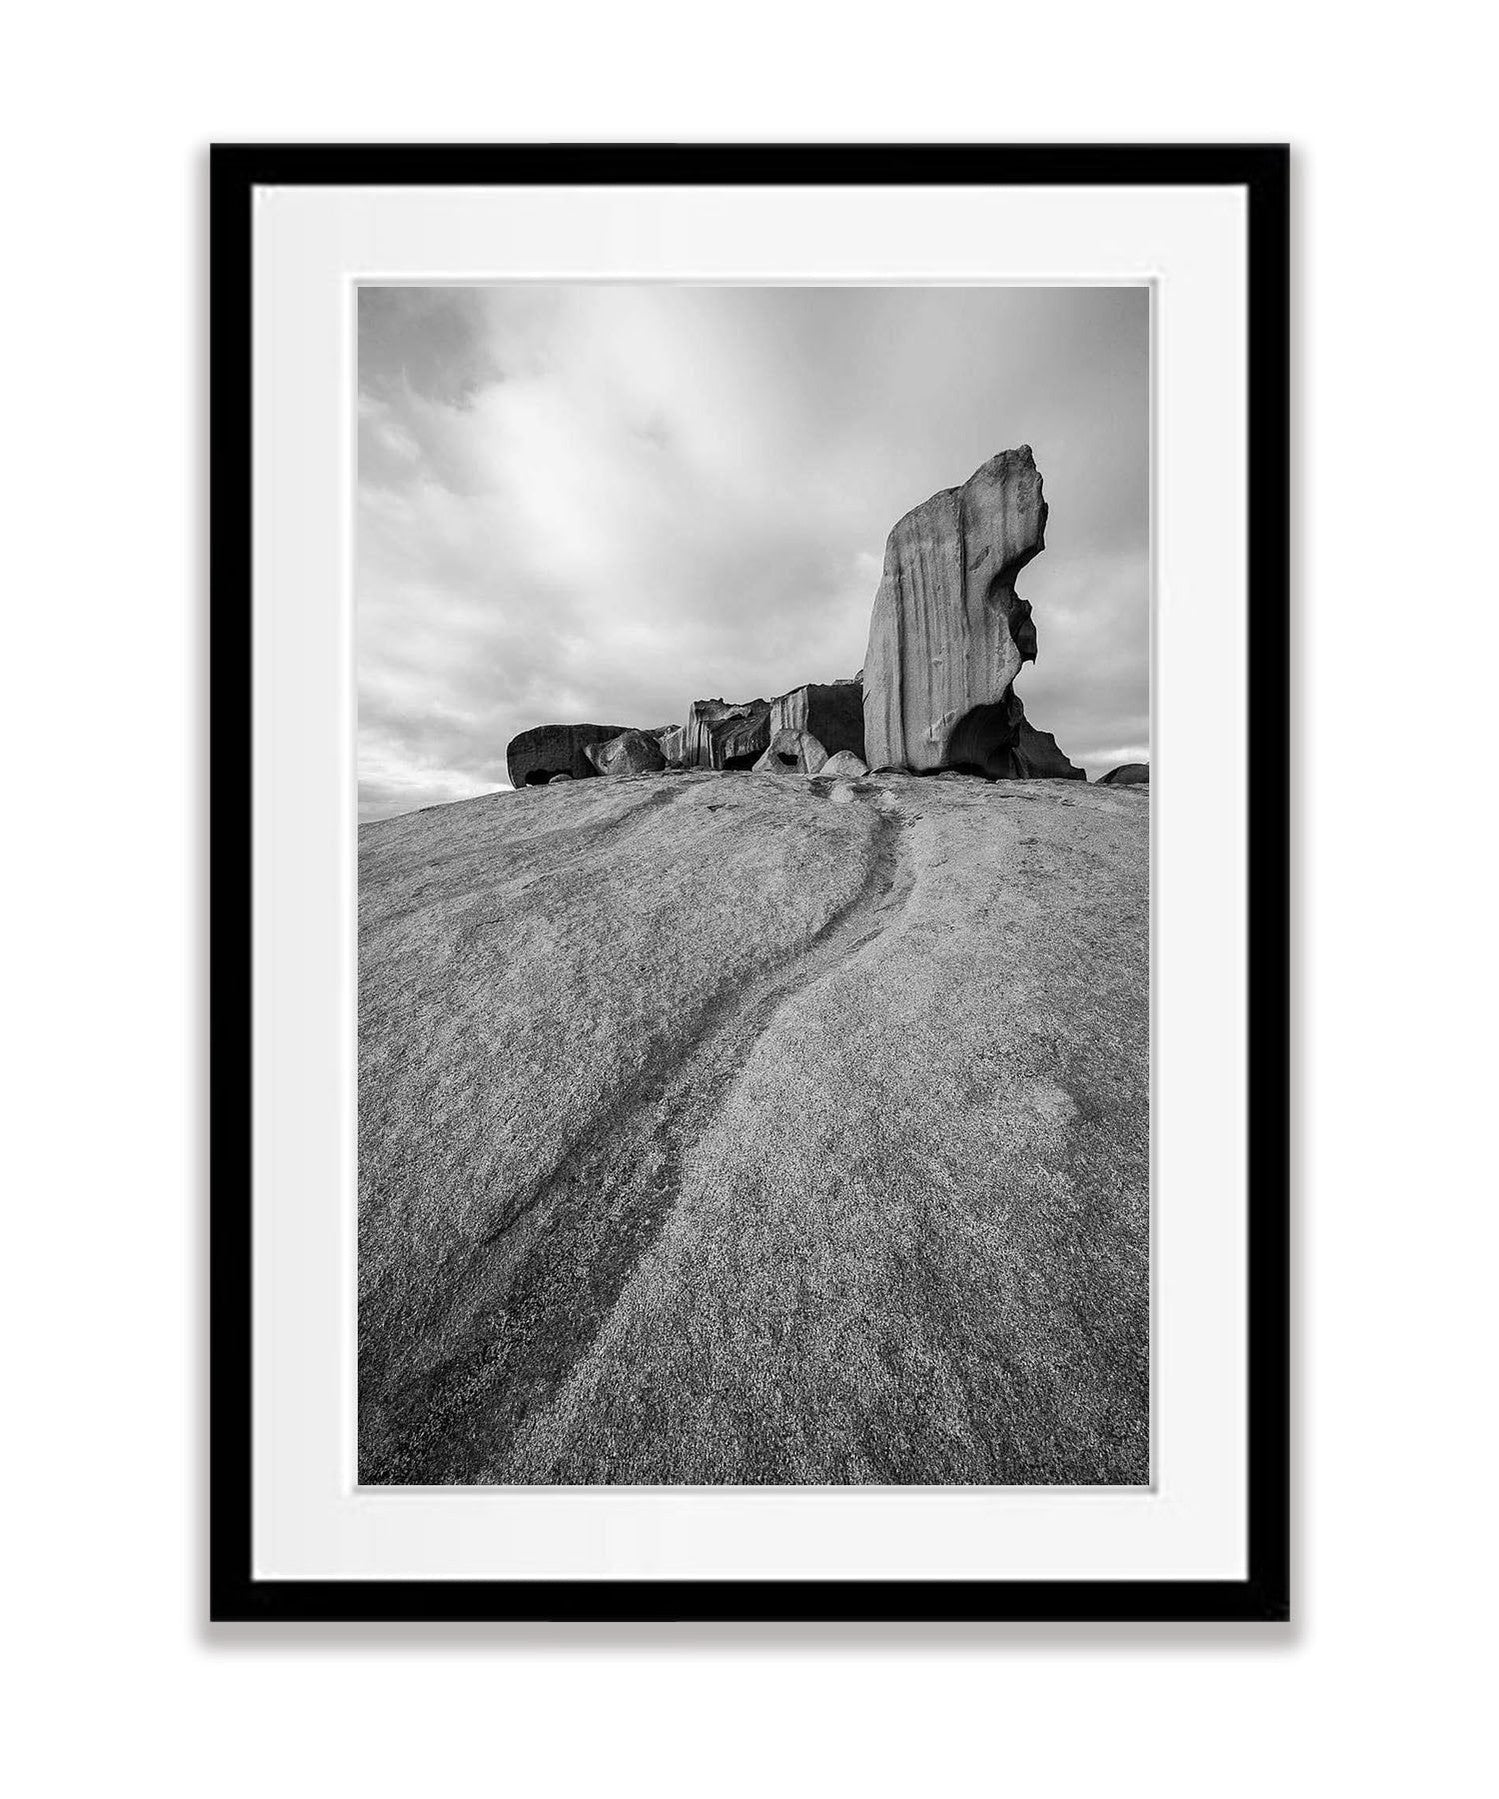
[
  {"x": 833, "y": 711},
  {"x": 792, "y": 753},
  {"x": 631, "y": 753},
  {"x": 536, "y": 755},
  {"x": 949, "y": 633},
  {"x": 674, "y": 746},
  {"x": 1128, "y": 774},
  {"x": 726, "y": 733}
]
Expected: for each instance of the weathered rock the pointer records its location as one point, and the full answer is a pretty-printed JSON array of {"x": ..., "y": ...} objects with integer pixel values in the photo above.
[
  {"x": 949, "y": 633},
  {"x": 1000, "y": 743},
  {"x": 1033, "y": 755},
  {"x": 674, "y": 745},
  {"x": 631, "y": 753},
  {"x": 536, "y": 755},
  {"x": 556, "y": 778},
  {"x": 833, "y": 711},
  {"x": 792, "y": 753},
  {"x": 726, "y": 733},
  {"x": 1128, "y": 774},
  {"x": 845, "y": 766}
]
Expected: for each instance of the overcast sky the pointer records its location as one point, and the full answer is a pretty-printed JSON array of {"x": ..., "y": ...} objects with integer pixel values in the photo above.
[{"x": 600, "y": 503}]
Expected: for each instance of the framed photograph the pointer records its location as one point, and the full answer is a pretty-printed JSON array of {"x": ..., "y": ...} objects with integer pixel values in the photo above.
[{"x": 749, "y": 926}]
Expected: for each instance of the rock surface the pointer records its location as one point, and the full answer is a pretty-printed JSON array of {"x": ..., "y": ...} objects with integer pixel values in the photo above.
[
  {"x": 845, "y": 766},
  {"x": 726, "y": 733},
  {"x": 536, "y": 755},
  {"x": 631, "y": 753},
  {"x": 949, "y": 633},
  {"x": 792, "y": 753},
  {"x": 838, "y": 1174},
  {"x": 833, "y": 711},
  {"x": 1128, "y": 774}
]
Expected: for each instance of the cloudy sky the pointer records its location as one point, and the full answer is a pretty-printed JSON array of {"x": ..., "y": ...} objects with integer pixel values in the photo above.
[{"x": 601, "y": 503}]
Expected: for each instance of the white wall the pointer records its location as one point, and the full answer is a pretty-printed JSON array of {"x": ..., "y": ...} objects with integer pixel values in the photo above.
[{"x": 1380, "y": 1685}]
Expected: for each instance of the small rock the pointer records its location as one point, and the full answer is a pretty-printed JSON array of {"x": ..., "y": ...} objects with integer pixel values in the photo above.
[
  {"x": 1128, "y": 774},
  {"x": 556, "y": 778},
  {"x": 845, "y": 766},
  {"x": 792, "y": 753},
  {"x": 842, "y": 793}
]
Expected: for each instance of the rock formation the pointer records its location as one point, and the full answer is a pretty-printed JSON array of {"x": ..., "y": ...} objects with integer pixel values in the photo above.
[
  {"x": 792, "y": 753},
  {"x": 726, "y": 734},
  {"x": 1013, "y": 749},
  {"x": 833, "y": 711},
  {"x": 1128, "y": 774},
  {"x": 947, "y": 638},
  {"x": 949, "y": 633},
  {"x": 631, "y": 753},
  {"x": 536, "y": 755}
]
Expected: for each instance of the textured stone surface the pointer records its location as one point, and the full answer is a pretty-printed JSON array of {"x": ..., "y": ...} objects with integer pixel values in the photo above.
[
  {"x": 556, "y": 778},
  {"x": 833, "y": 711},
  {"x": 631, "y": 753},
  {"x": 836, "y": 1171},
  {"x": 674, "y": 745},
  {"x": 536, "y": 755},
  {"x": 726, "y": 733},
  {"x": 1128, "y": 774},
  {"x": 792, "y": 753},
  {"x": 949, "y": 633}
]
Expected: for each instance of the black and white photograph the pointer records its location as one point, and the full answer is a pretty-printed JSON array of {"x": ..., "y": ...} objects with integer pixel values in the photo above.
[
  {"x": 735, "y": 1069},
  {"x": 754, "y": 884}
]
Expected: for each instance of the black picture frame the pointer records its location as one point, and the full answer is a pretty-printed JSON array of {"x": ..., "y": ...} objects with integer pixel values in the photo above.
[{"x": 1262, "y": 171}]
